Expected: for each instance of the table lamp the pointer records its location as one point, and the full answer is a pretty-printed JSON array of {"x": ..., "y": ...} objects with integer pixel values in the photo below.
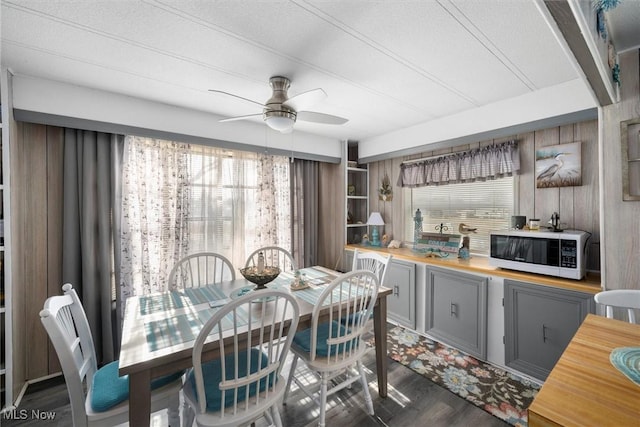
[{"x": 376, "y": 220}]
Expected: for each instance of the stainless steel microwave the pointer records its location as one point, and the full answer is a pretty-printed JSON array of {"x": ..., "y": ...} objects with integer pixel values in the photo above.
[{"x": 560, "y": 254}]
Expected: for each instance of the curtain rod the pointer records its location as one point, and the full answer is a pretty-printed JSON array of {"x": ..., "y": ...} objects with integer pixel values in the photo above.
[{"x": 422, "y": 159}]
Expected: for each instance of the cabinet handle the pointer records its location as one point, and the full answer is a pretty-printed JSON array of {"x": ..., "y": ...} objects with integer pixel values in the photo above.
[
  {"x": 544, "y": 333},
  {"x": 453, "y": 309},
  {"x": 396, "y": 290}
]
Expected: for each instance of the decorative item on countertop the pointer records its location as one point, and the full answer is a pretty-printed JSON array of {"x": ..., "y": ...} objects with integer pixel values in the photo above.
[
  {"x": 534, "y": 224},
  {"x": 442, "y": 228},
  {"x": 417, "y": 228},
  {"x": 465, "y": 229},
  {"x": 385, "y": 240},
  {"x": 375, "y": 219},
  {"x": 518, "y": 222},
  {"x": 365, "y": 240},
  {"x": 385, "y": 191},
  {"x": 464, "y": 253},
  {"x": 555, "y": 222},
  {"x": 438, "y": 244}
]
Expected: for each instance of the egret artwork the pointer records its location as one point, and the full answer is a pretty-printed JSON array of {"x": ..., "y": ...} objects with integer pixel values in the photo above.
[{"x": 559, "y": 166}]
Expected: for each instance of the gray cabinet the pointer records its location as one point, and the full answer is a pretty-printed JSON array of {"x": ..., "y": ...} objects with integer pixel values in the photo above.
[
  {"x": 401, "y": 279},
  {"x": 456, "y": 306},
  {"x": 539, "y": 323},
  {"x": 401, "y": 304}
]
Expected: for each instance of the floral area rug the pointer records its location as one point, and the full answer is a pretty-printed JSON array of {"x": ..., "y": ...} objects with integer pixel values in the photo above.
[{"x": 493, "y": 389}]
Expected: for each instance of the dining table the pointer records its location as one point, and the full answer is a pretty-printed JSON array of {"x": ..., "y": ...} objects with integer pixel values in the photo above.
[
  {"x": 159, "y": 330},
  {"x": 596, "y": 381}
]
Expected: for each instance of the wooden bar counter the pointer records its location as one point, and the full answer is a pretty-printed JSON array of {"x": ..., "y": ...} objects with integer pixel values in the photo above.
[{"x": 584, "y": 388}]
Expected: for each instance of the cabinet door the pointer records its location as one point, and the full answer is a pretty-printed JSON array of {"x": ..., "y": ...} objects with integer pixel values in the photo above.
[
  {"x": 457, "y": 310},
  {"x": 401, "y": 304},
  {"x": 539, "y": 323}
]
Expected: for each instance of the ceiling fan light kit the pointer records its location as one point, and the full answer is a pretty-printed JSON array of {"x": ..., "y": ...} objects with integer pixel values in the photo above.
[
  {"x": 282, "y": 121},
  {"x": 278, "y": 116},
  {"x": 281, "y": 112}
]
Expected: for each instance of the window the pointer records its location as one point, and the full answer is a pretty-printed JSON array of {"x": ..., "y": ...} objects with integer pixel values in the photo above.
[
  {"x": 485, "y": 205},
  {"x": 228, "y": 204},
  {"x": 182, "y": 198}
]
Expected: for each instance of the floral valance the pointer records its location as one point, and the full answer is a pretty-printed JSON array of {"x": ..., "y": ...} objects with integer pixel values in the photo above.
[{"x": 490, "y": 162}]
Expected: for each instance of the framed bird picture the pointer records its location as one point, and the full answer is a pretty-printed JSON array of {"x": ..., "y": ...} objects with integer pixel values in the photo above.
[{"x": 559, "y": 165}]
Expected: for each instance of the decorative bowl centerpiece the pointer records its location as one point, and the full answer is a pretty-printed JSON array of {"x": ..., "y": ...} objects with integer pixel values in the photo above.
[{"x": 260, "y": 278}]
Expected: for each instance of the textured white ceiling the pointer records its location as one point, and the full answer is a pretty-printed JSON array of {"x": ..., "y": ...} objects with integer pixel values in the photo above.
[{"x": 385, "y": 65}]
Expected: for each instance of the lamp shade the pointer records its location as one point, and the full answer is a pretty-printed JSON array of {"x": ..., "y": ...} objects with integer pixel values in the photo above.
[{"x": 375, "y": 219}]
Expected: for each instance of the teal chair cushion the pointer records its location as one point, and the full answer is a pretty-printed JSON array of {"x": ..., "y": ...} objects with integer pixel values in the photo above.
[
  {"x": 212, "y": 375},
  {"x": 303, "y": 339},
  {"x": 110, "y": 389}
]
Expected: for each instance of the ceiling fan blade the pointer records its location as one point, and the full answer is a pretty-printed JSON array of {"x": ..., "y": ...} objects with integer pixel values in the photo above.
[
  {"x": 327, "y": 119},
  {"x": 233, "y": 119},
  {"x": 306, "y": 99},
  {"x": 236, "y": 96}
]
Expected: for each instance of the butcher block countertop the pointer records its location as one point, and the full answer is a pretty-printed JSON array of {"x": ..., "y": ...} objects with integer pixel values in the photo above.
[
  {"x": 584, "y": 388},
  {"x": 476, "y": 264}
]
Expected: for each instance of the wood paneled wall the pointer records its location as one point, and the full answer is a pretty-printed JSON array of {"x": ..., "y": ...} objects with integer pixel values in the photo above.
[
  {"x": 578, "y": 206},
  {"x": 621, "y": 221},
  {"x": 36, "y": 189}
]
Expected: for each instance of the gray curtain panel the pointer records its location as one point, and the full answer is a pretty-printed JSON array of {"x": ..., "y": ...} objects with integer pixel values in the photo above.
[
  {"x": 304, "y": 212},
  {"x": 490, "y": 162},
  {"x": 92, "y": 162}
]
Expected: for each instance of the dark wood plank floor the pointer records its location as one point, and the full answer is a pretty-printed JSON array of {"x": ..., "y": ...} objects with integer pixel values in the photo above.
[{"x": 412, "y": 401}]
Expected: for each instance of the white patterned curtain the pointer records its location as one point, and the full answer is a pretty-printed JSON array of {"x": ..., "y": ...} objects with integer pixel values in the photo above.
[
  {"x": 155, "y": 210},
  {"x": 180, "y": 199},
  {"x": 490, "y": 162},
  {"x": 273, "y": 203}
]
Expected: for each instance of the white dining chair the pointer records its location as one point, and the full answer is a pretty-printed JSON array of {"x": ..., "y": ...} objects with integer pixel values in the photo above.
[
  {"x": 372, "y": 261},
  {"x": 246, "y": 382},
  {"x": 98, "y": 397},
  {"x": 626, "y": 299},
  {"x": 274, "y": 256},
  {"x": 333, "y": 348},
  {"x": 200, "y": 269}
]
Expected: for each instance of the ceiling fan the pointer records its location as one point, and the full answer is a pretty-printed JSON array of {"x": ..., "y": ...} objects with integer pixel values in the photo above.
[{"x": 281, "y": 112}]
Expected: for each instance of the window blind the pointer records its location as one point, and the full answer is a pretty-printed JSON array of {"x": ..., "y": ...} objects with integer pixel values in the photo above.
[{"x": 485, "y": 205}]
